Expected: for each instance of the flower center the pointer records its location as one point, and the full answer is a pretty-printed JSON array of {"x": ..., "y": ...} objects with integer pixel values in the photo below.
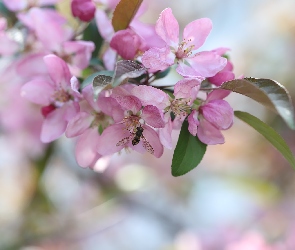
[
  {"x": 184, "y": 49},
  {"x": 131, "y": 122},
  {"x": 101, "y": 119},
  {"x": 61, "y": 96},
  {"x": 180, "y": 107}
]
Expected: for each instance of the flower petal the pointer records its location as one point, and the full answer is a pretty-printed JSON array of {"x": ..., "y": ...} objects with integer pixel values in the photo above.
[
  {"x": 165, "y": 135},
  {"x": 209, "y": 134},
  {"x": 152, "y": 116},
  {"x": 79, "y": 124},
  {"x": 219, "y": 113},
  {"x": 85, "y": 150},
  {"x": 193, "y": 122},
  {"x": 104, "y": 25},
  {"x": 189, "y": 72},
  {"x": 217, "y": 94},
  {"x": 197, "y": 31},
  {"x": 207, "y": 63},
  {"x": 152, "y": 138},
  {"x": 110, "y": 137},
  {"x": 38, "y": 91},
  {"x": 167, "y": 28},
  {"x": 221, "y": 77},
  {"x": 187, "y": 88},
  {"x": 58, "y": 71},
  {"x": 149, "y": 95},
  {"x": 54, "y": 125},
  {"x": 158, "y": 58}
]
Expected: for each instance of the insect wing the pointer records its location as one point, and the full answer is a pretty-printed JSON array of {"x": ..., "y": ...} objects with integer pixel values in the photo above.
[
  {"x": 148, "y": 147},
  {"x": 125, "y": 140}
]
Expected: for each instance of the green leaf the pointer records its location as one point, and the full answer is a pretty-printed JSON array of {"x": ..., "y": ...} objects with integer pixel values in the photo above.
[
  {"x": 269, "y": 133},
  {"x": 268, "y": 92},
  {"x": 90, "y": 78},
  {"x": 162, "y": 74},
  {"x": 188, "y": 153},
  {"x": 100, "y": 83},
  {"x": 124, "y": 13},
  {"x": 91, "y": 34},
  {"x": 126, "y": 69}
]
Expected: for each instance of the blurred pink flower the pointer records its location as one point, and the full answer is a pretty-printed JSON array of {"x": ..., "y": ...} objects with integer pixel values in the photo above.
[
  {"x": 83, "y": 9},
  {"x": 18, "y": 5},
  {"x": 60, "y": 91}
]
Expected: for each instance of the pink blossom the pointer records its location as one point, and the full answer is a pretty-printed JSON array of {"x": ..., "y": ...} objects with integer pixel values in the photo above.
[
  {"x": 136, "y": 130},
  {"x": 8, "y": 45},
  {"x": 56, "y": 31},
  {"x": 18, "y": 5},
  {"x": 83, "y": 9},
  {"x": 93, "y": 116},
  {"x": 132, "y": 41},
  {"x": 226, "y": 74},
  {"x": 204, "y": 64},
  {"x": 212, "y": 116},
  {"x": 57, "y": 90}
]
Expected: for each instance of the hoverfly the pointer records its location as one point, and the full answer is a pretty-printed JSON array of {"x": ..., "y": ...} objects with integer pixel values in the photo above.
[{"x": 136, "y": 136}]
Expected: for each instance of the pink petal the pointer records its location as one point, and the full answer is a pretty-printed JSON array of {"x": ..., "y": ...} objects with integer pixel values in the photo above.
[
  {"x": 220, "y": 51},
  {"x": 217, "y": 94},
  {"x": 58, "y": 71},
  {"x": 8, "y": 46},
  {"x": 193, "y": 122},
  {"x": 54, "y": 125},
  {"x": 111, "y": 107},
  {"x": 109, "y": 58},
  {"x": 152, "y": 116},
  {"x": 79, "y": 124},
  {"x": 165, "y": 135},
  {"x": 158, "y": 59},
  {"x": 85, "y": 150},
  {"x": 126, "y": 43},
  {"x": 197, "y": 31},
  {"x": 75, "y": 85},
  {"x": 207, "y": 63},
  {"x": 127, "y": 102},
  {"x": 221, "y": 77},
  {"x": 48, "y": 2},
  {"x": 187, "y": 88},
  {"x": 55, "y": 32},
  {"x": 110, "y": 137},
  {"x": 71, "y": 110},
  {"x": 32, "y": 65},
  {"x": 167, "y": 28},
  {"x": 149, "y": 95},
  {"x": 148, "y": 34},
  {"x": 104, "y": 25},
  {"x": 153, "y": 138},
  {"x": 80, "y": 51},
  {"x": 209, "y": 134},
  {"x": 38, "y": 91},
  {"x": 15, "y": 5},
  {"x": 219, "y": 113},
  {"x": 189, "y": 72}
]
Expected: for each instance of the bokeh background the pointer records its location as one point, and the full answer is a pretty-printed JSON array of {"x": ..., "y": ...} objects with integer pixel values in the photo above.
[{"x": 241, "y": 196}]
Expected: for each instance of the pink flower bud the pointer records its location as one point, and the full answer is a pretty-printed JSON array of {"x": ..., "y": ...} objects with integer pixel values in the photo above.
[{"x": 83, "y": 9}]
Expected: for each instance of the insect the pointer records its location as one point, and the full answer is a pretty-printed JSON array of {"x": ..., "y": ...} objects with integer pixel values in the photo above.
[{"x": 136, "y": 136}]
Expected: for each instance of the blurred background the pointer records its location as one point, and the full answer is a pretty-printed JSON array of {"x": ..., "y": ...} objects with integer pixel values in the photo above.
[{"x": 241, "y": 196}]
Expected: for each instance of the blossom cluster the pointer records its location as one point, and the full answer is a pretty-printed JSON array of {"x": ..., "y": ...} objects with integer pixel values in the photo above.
[{"x": 51, "y": 61}]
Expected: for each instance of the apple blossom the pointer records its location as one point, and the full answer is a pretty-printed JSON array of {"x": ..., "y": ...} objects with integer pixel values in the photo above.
[
  {"x": 58, "y": 90},
  {"x": 204, "y": 64}
]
